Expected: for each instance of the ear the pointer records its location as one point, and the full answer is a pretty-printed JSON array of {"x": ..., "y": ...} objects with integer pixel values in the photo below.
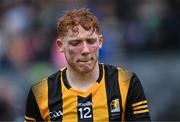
[
  {"x": 59, "y": 43},
  {"x": 100, "y": 41}
]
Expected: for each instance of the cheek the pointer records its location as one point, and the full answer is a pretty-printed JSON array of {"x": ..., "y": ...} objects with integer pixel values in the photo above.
[
  {"x": 94, "y": 49},
  {"x": 73, "y": 51}
]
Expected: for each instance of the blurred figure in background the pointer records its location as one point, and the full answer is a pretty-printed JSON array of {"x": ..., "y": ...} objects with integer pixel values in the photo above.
[{"x": 9, "y": 100}]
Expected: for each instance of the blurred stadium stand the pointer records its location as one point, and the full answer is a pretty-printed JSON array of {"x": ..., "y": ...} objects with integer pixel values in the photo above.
[{"x": 140, "y": 35}]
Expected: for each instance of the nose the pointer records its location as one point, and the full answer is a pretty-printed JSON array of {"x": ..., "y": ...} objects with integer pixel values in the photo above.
[{"x": 85, "y": 49}]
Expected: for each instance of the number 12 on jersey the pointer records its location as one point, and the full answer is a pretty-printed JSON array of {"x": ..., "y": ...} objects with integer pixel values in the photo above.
[{"x": 85, "y": 113}]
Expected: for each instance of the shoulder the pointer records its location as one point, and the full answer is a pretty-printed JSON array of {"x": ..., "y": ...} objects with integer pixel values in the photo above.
[
  {"x": 42, "y": 85},
  {"x": 123, "y": 74}
]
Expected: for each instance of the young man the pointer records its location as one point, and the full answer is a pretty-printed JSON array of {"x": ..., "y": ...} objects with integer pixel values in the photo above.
[{"x": 85, "y": 90}]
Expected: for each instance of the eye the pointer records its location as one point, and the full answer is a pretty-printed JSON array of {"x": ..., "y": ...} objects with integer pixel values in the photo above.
[
  {"x": 91, "y": 41},
  {"x": 75, "y": 42}
]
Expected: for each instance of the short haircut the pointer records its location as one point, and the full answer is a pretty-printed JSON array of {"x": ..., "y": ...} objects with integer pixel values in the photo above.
[{"x": 76, "y": 17}]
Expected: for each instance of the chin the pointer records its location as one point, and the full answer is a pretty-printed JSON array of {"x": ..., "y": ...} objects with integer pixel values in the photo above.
[{"x": 85, "y": 70}]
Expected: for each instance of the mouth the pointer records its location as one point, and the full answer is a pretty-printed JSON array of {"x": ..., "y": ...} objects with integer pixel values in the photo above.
[{"x": 86, "y": 60}]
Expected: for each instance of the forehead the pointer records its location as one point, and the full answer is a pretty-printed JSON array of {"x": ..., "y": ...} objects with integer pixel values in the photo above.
[{"x": 79, "y": 32}]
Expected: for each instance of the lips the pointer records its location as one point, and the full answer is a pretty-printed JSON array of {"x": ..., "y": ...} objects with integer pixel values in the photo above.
[{"x": 85, "y": 61}]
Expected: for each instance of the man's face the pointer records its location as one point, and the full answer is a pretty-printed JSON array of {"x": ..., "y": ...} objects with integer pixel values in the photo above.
[{"x": 81, "y": 49}]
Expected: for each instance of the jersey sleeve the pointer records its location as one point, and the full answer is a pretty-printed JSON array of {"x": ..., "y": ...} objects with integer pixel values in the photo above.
[
  {"x": 136, "y": 106},
  {"x": 32, "y": 112}
]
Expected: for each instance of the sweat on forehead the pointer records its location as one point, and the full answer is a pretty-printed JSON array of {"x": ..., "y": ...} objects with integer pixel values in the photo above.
[{"x": 75, "y": 17}]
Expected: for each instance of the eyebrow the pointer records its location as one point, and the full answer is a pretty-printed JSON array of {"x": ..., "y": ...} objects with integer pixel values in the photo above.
[{"x": 82, "y": 39}]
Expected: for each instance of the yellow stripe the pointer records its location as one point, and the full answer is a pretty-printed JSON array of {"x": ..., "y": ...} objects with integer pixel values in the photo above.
[
  {"x": 30, "y": 118},
  {"x": 141, "y": 111},
  {"x": 69, "y": 104},
  {"x": 124, "y": 80},
  {"x": 41, "y": 94},
  {"x": 140, "y": 107},
  {"x": 139, "y": 103},
  {"x": 99, "y": 100}
]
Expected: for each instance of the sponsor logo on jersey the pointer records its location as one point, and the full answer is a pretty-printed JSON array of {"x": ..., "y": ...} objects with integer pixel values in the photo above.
[
  {"x": 55, "y": 114},
  {"x": 87, "y": 103}
]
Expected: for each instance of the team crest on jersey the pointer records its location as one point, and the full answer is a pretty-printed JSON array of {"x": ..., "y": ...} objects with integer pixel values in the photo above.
[{"x": 115, "y": 106}]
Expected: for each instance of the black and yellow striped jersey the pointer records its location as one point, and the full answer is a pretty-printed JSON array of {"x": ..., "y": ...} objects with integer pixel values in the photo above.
[{"x": 117, "y": 95}]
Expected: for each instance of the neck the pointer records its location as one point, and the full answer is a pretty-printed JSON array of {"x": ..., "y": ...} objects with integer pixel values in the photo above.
[{"x": 82, "y": 81}]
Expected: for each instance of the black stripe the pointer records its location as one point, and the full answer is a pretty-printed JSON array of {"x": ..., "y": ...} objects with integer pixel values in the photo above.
[
  {"x": 100, "y": 73},
  {"x": 32, "y": 111},
  {"x": 65, "y": 81},
  {"x": 84, "y": 109},
  {"x": 113, "y": 93},
  {"x": 55, "y": 96}
]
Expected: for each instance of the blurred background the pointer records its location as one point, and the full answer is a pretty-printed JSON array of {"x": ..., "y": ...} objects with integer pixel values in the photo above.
[{"x": 142, "y": 36}]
